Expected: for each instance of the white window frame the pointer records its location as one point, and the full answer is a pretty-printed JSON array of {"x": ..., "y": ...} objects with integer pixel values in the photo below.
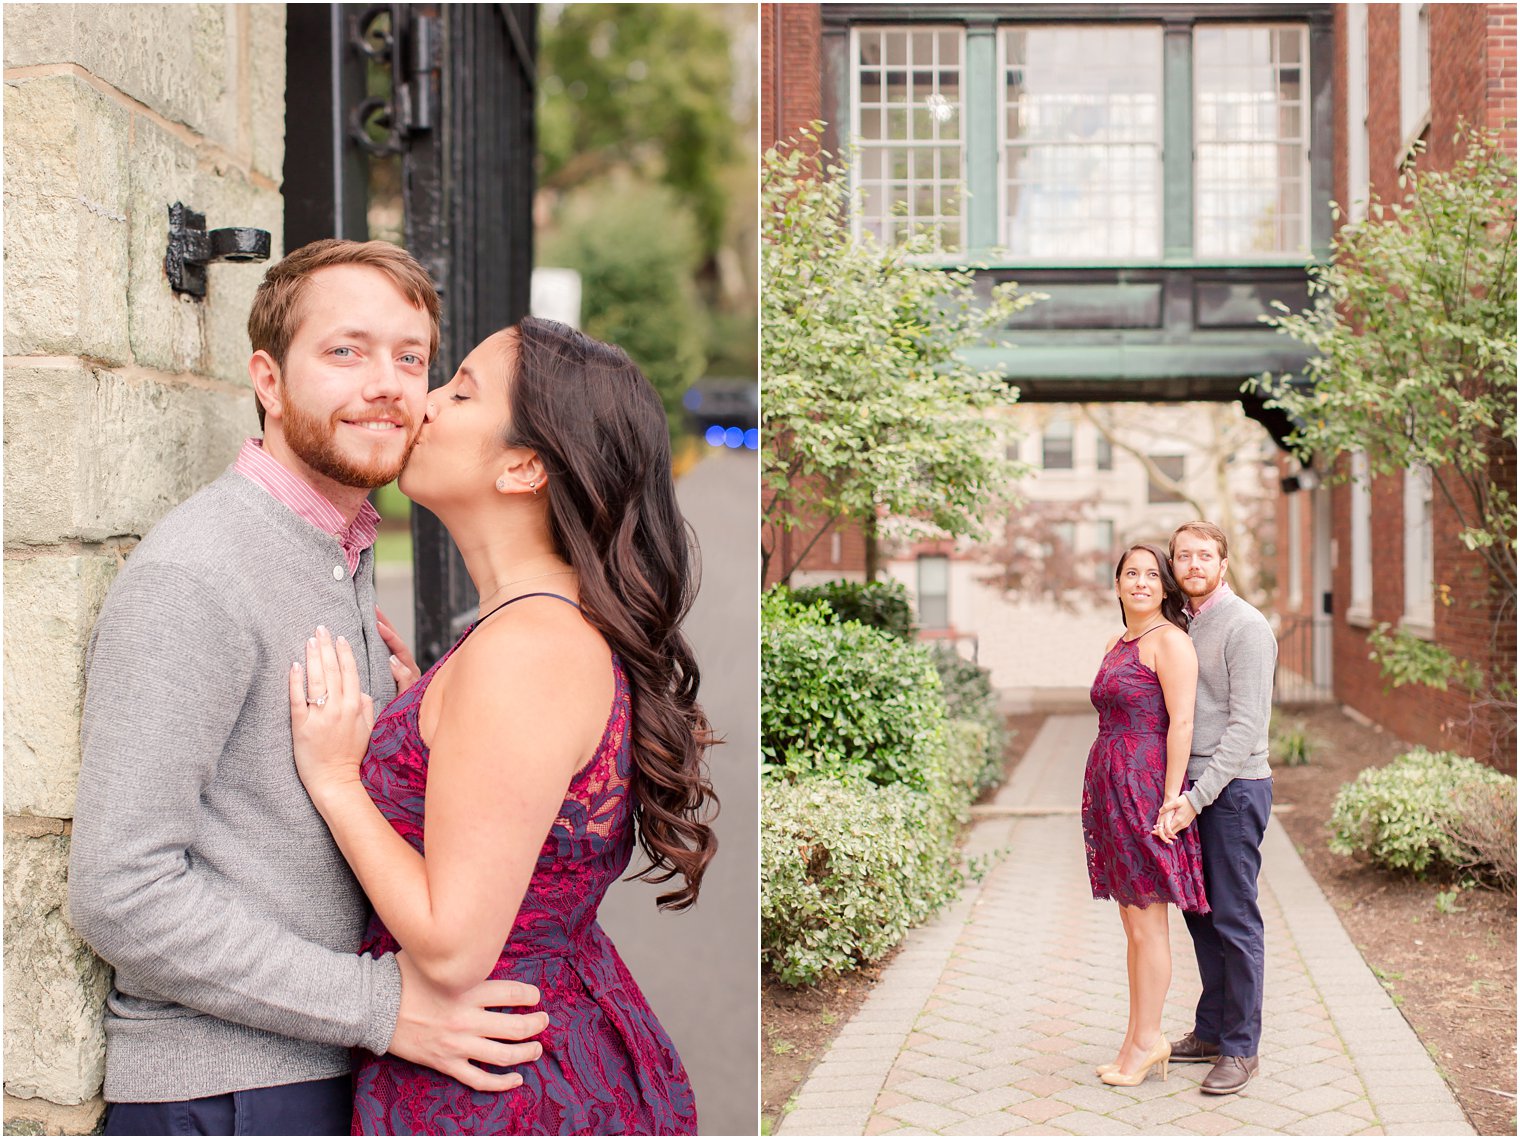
[
  {"x": 1002, "y": 137},
  {"x": 1419, "y": 552},
  {"x": 1359, "y": 608},
  {"x": 1358, "y": 149},
  {"x": 1306, "y": 208},
  {"x": 856, "y": 216},
  {"x": 921, "y": 561},
  {"x": 1414, "y": 72}
]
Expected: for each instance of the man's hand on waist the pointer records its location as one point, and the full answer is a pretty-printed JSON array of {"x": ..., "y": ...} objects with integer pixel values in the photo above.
[{"x": 445, "y": 1032}]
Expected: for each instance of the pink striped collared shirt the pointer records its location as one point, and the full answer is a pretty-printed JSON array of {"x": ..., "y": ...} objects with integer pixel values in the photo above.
[
  {"x": 1223, "y": 590},
  {"x": 290, "y": 489}
]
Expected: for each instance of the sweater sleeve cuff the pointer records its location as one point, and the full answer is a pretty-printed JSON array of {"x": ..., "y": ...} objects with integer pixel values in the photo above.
[
  {"x": 384, "y": 1005},
  {"x": 1194, "y": 795}
]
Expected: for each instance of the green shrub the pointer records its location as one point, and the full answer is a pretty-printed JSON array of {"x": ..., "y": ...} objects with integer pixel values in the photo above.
[
  {"x": 1401, "y": 815},
  {"x": 846, "y": 868},
  {"x": 843, "y": 700},
  {"x": 969, "y": 696},
  {"x": 879, "y": 604},
  {"x": 1291, "y": 744}
]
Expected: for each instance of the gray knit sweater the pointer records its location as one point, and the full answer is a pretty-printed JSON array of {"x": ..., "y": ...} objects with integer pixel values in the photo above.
[
  {"x": 1237, "y": 656},
  {"x": 199, "y": 868}
]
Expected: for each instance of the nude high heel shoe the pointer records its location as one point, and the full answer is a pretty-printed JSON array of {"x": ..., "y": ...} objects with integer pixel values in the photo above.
[{"x": 1161, "y": 1054}]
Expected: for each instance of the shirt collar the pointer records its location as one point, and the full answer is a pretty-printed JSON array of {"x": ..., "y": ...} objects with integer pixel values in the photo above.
[
  {"x": 291, "y": 490},
  {"x": 1224, "y": 590}
]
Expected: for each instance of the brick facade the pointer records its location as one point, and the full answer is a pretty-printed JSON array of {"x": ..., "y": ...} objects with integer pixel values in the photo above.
[
  {"x": 791, "y": 97},
  {"x": 1473, "y": 81}
]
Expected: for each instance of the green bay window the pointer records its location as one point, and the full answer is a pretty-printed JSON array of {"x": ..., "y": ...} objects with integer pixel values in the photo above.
[{"x": 1043, "y": 134}]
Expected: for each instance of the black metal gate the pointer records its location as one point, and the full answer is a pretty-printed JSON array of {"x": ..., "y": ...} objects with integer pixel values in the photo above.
[{"x": 459, "y": 110}]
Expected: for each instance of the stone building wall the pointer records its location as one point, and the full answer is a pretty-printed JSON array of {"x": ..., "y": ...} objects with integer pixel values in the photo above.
[{"x": 121, "y": 399}]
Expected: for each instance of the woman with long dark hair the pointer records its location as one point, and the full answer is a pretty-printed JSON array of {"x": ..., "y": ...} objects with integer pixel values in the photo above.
[
  {"x": 1144, "y": 694},
  {"x": 489, "y": 807}
]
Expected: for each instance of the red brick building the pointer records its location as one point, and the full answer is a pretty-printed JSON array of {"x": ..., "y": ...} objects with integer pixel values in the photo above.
[{"x": 1388, "y": 551}]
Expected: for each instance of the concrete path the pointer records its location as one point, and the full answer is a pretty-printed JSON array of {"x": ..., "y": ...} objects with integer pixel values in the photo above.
[{"x": 990, "y": 1019}]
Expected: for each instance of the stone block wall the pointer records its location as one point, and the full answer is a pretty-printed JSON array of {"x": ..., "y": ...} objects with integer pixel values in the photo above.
[{"x": 121, "y": 399}]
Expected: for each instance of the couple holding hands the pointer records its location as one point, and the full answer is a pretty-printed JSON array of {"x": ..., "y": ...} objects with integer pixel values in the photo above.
[{"x": 1176, "y": 798}]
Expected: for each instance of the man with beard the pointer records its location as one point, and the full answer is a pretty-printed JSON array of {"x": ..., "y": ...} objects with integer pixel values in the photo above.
[
  {"x": 1231, "y": 797},
  {"x": 199, "y": 868}
]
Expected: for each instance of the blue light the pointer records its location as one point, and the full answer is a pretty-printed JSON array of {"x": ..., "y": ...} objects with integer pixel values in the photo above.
[
  {"x": 692, "y": 399},
  {"x": 752, "y": 438},
  {"x": 714, "y": 436},
  {"x": 733, "y": 437}
]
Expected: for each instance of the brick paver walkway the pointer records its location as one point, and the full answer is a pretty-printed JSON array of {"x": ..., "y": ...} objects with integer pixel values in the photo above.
[{"x": 991, "y": 1018}]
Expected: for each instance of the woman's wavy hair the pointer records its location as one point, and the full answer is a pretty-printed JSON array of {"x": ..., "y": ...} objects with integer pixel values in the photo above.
[
  {"x": 601, "y": 432},
  {"x": 1173, "y": 600}
]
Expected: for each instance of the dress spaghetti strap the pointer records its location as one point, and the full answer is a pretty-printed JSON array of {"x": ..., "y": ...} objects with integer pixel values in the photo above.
[
  {"x": 524, "y": 597},
  {"x": 1134, "y": 641}
]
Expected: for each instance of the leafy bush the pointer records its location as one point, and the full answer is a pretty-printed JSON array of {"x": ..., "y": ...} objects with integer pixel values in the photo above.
[
  {"x": 846, "y": 869},
  {"x": 879, "y": 604},
  {"x": 1401, "y": 815},
  {"x": 843, "y": 700},
  {"x": 969, "y": 696}
]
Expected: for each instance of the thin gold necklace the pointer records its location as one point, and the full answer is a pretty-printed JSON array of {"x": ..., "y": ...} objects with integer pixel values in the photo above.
[{"x": 519, "y": 581}]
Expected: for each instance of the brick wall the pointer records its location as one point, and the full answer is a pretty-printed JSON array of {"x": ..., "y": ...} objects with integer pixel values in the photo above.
[
  {"x": 791, "y": 81},
  {"x": 1472, "y": 79},
  {"x": 791, "y": 97},
  {"x": 121, "y": 399}
]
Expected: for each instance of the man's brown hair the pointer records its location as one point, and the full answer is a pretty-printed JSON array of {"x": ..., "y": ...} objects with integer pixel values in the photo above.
[
  {"x": 1203, "y": 530},
  {"x": 276, "y": 312}
]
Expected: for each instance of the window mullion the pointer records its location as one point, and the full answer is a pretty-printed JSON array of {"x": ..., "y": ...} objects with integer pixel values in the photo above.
[
  {"x": 1177, "y": 141},
  {"x": 983, "y": 103}
]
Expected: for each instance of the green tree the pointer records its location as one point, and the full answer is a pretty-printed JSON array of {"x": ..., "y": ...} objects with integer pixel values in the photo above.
[
  {"x": 868, "y": 408},
  {"x": 1413, "y": 334},
  {"x": 647, "y": 87},
  {"x": 637, "y": 279}
]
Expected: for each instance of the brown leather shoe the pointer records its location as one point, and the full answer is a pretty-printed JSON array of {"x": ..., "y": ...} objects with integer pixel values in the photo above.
[
  {"x": 1191, "y": 1050},
  {"x": 1229, "y": 1074}
]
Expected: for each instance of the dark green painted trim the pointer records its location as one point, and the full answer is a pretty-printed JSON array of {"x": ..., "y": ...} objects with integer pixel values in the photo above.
[
  {"x": 981, "y": 102},
  {"x": 1063, "y": 13},
  {"x": 1177, "y": 142}
]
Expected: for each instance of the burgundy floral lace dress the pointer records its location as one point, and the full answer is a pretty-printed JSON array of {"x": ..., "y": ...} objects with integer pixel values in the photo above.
[
  {"x": 1123, "y": 790},
  {"x": 608, "y": 1067}
]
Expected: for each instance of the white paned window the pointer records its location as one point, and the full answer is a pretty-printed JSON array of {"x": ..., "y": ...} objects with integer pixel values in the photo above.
[
  {"x": 934, "y": 591},
  {"x": 1414, "y": 70},
  {"x": 1251, "y": 139},
  {"x": 1358, "y": 180},
  {"x": 909, "y": 177},
  {"x": 1360, "y": 607},
  {"x": 1081, "y": 136},
  {"x": 1419, "y": 549}
]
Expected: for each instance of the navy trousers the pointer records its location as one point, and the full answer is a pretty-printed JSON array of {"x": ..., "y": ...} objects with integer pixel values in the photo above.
[
  {"x": 1230, "y": 941},
  {"x": 316, "y": 1107}
]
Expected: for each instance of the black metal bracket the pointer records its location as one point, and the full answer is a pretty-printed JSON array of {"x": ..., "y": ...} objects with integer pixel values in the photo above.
[
  {"x": 411, "y": 45},
  {"x": 191, "y": 248}
]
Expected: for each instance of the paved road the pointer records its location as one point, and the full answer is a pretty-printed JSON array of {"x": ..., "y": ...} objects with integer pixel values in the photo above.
[
  {"x": 990, "y": 1019},
  {"x": 699, "y": 969}
]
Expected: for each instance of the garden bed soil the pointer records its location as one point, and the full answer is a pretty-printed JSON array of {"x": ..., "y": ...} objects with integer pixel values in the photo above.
[
  {"x": 799, "y": 1024},
  {"x": 1452, "y": 974}
]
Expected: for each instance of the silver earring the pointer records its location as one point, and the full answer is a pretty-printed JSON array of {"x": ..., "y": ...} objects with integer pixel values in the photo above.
[{"x": 501, "y": 484}]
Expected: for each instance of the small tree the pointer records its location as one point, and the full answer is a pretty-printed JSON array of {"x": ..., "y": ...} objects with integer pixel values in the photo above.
[
  {"x": 868, "y": 408},
  {"x": 1413, "y": 334}
]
